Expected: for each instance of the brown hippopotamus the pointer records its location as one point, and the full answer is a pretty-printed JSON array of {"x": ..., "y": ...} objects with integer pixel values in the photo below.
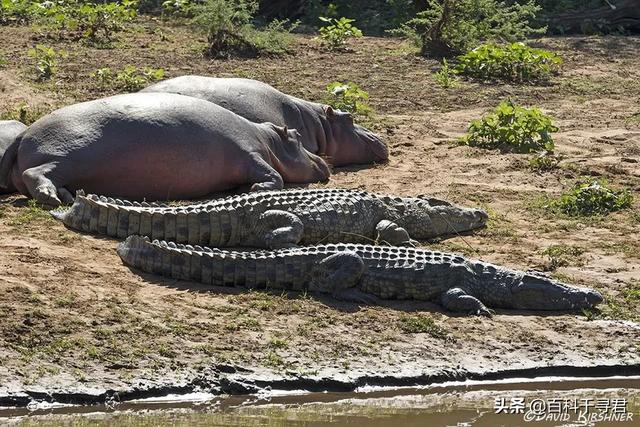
[
  {"x": 327, "y": 132},
  {"x": 157, "y": 146},
  {"x": 9, "y": 130}
]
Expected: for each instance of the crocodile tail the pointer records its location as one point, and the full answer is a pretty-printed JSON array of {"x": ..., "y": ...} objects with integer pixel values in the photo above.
[{"x": 7, "y": 162}]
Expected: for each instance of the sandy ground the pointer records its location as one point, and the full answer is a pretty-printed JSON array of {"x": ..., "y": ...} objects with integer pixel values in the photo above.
[{"x": 72, "y": 316}]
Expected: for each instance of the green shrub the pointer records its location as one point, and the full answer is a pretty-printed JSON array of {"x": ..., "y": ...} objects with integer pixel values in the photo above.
[
  {"x": 23, "y": 113},
  {"x": 335, "y": 34},
  {"x": 177, "y": 7},
  {"x": 544, "y": 162},
  {"x": 348, "y": 97},
  {"x": 230, "y": 32},
  {"x": 421, "y": 324},
  {"x": 515, "y": 62},
  {"x": 450, "y": 27},
  {"x": 46, "y": 59},
  {"x": 591, "y": 197},
  {"x": 3, "y": 61},
  {"x": 17, "y": 11},
  {"x": 130, "y": 79},
  {"x": 446, "y": 76},
  {"x": 512, "y": 128}
]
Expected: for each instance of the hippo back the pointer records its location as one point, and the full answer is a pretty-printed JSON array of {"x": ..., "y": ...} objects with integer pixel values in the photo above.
[{"x": 254, "y": 100}]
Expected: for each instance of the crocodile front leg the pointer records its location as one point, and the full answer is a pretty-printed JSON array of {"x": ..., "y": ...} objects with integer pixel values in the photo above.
[
  {"x": 339, "y": 275},
  {"x": 458, "y": 300},
  {"x": 393, "y": 234},
  {"x": 278, "y": 229}
]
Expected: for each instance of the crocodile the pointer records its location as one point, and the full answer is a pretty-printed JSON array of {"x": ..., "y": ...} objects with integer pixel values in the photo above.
[
  {"x": 276, "y": 219},
  {"x": 362, "y": 273}
]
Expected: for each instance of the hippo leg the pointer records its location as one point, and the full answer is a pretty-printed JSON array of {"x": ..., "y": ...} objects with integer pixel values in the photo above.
[
  {"x": 458, "y": 300},
  {"x": 280, "y": 229},
  {"x": 264, "y": 175},
  {"x": 42, "y": 188},
  {"x": 393, "y": 234}
]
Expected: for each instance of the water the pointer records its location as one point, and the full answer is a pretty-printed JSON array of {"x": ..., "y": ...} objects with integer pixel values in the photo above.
[{"x": 453, "y": 404}]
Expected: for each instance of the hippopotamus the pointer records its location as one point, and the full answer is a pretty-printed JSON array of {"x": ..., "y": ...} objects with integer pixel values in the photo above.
[
  {"x": 326, "y": 132},
  {"x": 9, "y": 130},
  {"x": 157, "y": 146}
]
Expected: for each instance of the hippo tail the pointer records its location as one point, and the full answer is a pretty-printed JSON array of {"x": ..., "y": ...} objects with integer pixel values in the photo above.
[{"x": 7, "y": 162}]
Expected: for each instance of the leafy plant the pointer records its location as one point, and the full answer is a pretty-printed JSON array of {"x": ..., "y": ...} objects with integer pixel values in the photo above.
[
  {"x": 130, "y": 79},
  {"x": 16, "y": 11},
  {"x": 335, "y": 34},
  {"x": 512, "y": 128},
  {"x": 544, "y": 161},
  {"x": 3, "y": 61},
  {"x": 563, "y": 255},
  {"x": 348, "y": 97},
  {"x": 230, "y": 31},
  {"x": 515, "y": 62},
  {"x": 177, "y": 7},
  {"x": 450, "y": 27},
  {"x": 23, "y": 113},
  {"x": 46, "y": 59},
  {"x": 446, "y": 76},
  {"x": 591, "y": 197},
  {"x": 421, "y": 324}
]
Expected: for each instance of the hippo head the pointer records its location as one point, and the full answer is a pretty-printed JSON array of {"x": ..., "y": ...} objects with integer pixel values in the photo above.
[
  {"x": 294, "y": 162},
  {"x": 535, "y": 291},
  {"x": 348, "y": 143}
]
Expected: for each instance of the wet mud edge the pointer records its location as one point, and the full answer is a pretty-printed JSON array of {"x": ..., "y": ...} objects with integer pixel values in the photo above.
[{"x": 232, "y": 380}]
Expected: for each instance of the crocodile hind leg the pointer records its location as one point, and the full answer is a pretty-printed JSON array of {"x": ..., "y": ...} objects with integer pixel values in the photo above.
[
  {"x": 43, "y": 189},
  {"x": 339, "y": 275},
  {"x": 458, "y": 300},
  {"x": 393, "y": 234},
  {"x": 277, "y": 229}
]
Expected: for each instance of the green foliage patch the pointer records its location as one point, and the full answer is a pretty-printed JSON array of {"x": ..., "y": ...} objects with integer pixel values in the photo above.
[
  {"x": 130, "y": 78},
  {"x": 451, "y": 27},
  {"x": 23, "y": 113},
  {"x": 230, "y": 30},
  {"x": 46, "y": 61},
  {"x": 512, "y": 128},
  {"x": 591, "y": 197},
  {"x": 348, "y": 97},
  {"x": 514, "y": 62},
  {"x": 421, "y": 324},
  {"x": 334, "y": 35},
  {"x": 96, "y": 22},
  {"x": 446, "y": 76}
]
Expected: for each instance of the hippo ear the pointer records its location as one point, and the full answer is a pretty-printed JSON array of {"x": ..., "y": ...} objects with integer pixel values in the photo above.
[
  {"x": 283, "y": 131},
  {"x": 329, "y": 112}
]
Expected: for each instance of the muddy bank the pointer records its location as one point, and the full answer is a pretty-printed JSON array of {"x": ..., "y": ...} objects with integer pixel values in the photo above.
[{"x": 233, "y": 380}]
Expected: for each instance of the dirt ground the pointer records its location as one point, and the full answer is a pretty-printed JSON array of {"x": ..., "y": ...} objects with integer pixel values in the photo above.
[{"x": 72, "y": 316}]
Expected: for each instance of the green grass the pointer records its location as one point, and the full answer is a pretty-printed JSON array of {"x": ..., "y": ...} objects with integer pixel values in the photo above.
[
  {"x": 591, "y": 197},
  {"x": 563, "y": 255},
  {"x": 31, "y": 213},
  {"x": 416, "y": 324}
]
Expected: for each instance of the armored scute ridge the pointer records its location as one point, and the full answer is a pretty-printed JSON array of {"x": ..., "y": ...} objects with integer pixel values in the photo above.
[
  {"x": 277, "y": 219},
  {"x": 362, "y": 273}
]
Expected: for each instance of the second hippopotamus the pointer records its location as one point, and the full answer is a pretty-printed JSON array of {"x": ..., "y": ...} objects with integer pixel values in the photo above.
[
  {"x": 9, "y": 130},
  {"x": 156, "y": 146},
  {"x": 327, "y": 132}
]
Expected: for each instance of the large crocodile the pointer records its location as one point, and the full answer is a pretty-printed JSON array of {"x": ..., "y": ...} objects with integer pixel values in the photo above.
[
  {"x": 277, "y": 219},
  {"x": 362, "y": 273}
]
